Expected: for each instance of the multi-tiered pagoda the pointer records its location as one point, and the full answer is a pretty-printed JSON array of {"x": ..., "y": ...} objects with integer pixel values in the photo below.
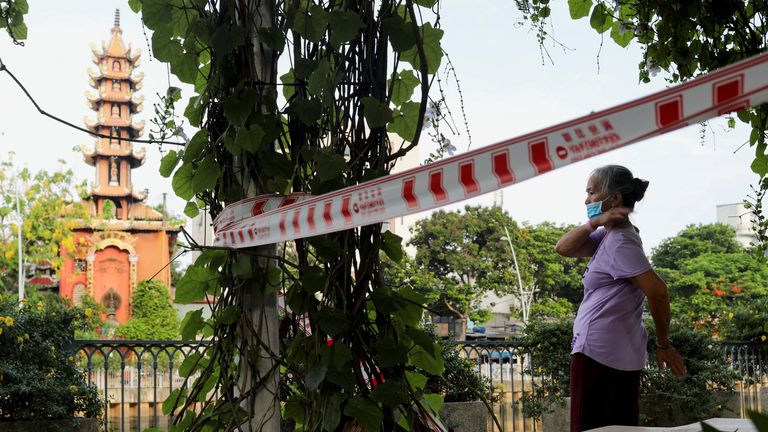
[{"x": 123, "y": 241}]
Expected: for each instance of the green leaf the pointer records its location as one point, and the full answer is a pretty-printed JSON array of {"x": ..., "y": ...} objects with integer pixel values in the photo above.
[
  {"x": 390, "y": 353},
  {"x": 164, "y": 47},
  {"x": 332, "y": 412},
  {"x": 760, "y": 165},
  {"x": 185, "y": 67},
  {"x": 237, "y": 110},
  {"x": 250, "y": 138},
  {"x": 426, "y": 3},
  {"x": 19, "y": 30},
  {"x": 621, "y": 39},
  {"x": 377, "y": 114},
  {"x": 579, "y": 8},
  {"x": 274, "y": 280},
  {"x": 422, "y": 339},
  {"x": 294, "y": 410},
  {"x": 272, "y": 37},
  {"x": 434, "y": 401},
  {"x": 226, "y": 39},
  {"x": 191, "y": 209},
  {"x": 319, "y": 81},
  {"x": 311, "y": 27},
  {"x": 135, "y": 5},
  {"x": 190, "y": 364},
  {"x": 191, "y": 325},
  {"x": 421, "y": 359},
  {"x": 391, "y": 244},
  {"x": 405, "y": 120},
  {"x": 329, "y": 165},
  {"x": 416, "y": 380},
  {"x": 156, "y": 13},
  {"x": 344, "y": 25},
  {"x": 21, "y": 6},
  {"x": 403, "y": 86},
  {"x": 400, "y": 33},
  {"x": 174, "y": 399},
  {"x": 313, "y": 279},
  {"x": 168, "y": 163},
  {"x": 366, "y": 412},
  {"x": 194, "y": 284},
  {"x": 391, "y": 393},
  {"x": 182, "y": 182},
  {"x": 243, "y": 267},
  {"x": 289, "y": 89},
  {"x": 315, "y": 375},
  {"x": 196, "y": 145},
  {"x": 600, "y": 20},
  {"x": 206, "y": 175},
  {"x": 307, "y": 110},
  {"x": 230, "y": 315},
  {"x": 433, "y": 52}
]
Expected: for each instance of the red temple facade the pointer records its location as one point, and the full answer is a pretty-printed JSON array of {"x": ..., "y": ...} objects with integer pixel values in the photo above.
[{"x": 123, "y": 241}]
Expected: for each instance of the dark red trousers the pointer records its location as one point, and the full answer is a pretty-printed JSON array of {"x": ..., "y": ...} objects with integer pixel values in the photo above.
[{"x": 602, "y": 396}]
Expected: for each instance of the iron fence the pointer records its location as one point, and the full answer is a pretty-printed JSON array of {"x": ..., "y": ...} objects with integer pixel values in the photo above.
[{"x": 135, "y": 377}]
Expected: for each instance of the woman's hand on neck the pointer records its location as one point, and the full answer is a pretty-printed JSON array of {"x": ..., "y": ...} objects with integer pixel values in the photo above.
[{"x": 617, "y": 217}]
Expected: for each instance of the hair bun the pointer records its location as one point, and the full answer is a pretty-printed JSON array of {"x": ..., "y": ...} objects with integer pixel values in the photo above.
[{"x": 640, "y": 187}]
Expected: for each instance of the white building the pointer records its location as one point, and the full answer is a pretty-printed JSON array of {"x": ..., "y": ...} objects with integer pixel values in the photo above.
[{"x": 740, "y": 218}]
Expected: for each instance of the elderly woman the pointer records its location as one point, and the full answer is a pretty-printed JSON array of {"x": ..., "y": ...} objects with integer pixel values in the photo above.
[{"x": 608, "y": 350}]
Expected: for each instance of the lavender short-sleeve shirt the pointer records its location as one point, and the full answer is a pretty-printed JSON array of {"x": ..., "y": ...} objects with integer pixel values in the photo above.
[{"x": 609, "y": 326}]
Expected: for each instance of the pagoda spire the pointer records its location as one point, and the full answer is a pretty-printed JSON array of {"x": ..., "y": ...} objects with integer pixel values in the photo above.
[{"x": 115, "y": 103}]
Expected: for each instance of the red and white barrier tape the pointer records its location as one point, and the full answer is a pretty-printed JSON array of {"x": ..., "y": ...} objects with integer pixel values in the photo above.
[{"x": 271, "y": 219}]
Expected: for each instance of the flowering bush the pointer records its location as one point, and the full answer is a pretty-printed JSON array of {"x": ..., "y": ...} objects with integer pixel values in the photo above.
[{"x": 38, "y": 375}]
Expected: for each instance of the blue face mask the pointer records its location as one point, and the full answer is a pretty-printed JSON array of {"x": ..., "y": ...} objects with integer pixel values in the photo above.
[{"x": 594, "y": 209}]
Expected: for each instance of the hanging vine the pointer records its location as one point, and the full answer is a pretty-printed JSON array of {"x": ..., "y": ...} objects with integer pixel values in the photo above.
[{"x": 350, "y": 100}]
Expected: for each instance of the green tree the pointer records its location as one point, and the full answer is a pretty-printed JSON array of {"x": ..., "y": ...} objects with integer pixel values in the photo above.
[
  {"x": 717, "y": 291},
  {"x": 46, "y": 214},
  {"x": 465, "y": 254},
  {"x": 553, "y": 275},
  {"x": 694, "y": 241},
  {"x": 152, "y": 314}
]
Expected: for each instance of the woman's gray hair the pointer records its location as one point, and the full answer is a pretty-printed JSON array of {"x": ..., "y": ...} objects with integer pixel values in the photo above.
[{"x": 616, "y": 178}]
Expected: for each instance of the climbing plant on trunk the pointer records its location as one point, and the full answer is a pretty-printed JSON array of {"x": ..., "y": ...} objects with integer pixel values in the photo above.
[{"x": 350, "y": 101}]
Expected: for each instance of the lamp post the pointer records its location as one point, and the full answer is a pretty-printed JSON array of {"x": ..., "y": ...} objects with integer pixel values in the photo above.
[
  {"x": 526, "y": 297},
  {"x": 21, "y": 257}
]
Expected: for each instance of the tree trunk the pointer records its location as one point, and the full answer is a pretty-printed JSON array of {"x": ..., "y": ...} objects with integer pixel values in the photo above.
[{"x": 259, "y": 372}]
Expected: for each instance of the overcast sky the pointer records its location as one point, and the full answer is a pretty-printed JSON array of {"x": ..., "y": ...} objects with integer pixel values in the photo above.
[{"x": 507, "y": 91}]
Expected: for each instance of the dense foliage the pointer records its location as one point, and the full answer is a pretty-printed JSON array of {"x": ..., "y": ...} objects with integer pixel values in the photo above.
[
  {"x": 347, "y": 100},
  {"x": 38, "y": 375},
  {"x": 462, "y": 256},
  {"x": 42, "y": 199},
  {"x": 460, "y": 382},
  {"x": 715, "y": 285},
  {"x": 152, "y": 314}
]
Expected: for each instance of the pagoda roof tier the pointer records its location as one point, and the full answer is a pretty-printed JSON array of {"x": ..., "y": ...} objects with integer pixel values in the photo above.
[
  {"x": 116, "y": 192},
  {"x": 135, "y": 100},
  {"x": 106, "y": 73},
  {"x": 133, "y": 56},
  {"x": 135, "y": 79},
  {"x": 136, "y": 156},
  {"x": 137, "y": 127},
  {"x": 127, "y": 225}
]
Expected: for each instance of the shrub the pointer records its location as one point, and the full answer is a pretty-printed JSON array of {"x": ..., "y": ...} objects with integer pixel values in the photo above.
[
  {"x": 460, "y": 381},
  {"x": 38, "y": 375},
  {"x": 666, "y": 399},
  {"x": 152, "y": 315}
]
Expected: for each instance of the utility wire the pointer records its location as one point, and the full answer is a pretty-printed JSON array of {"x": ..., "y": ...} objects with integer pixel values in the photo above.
[{"x": 5, "y": 69}]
